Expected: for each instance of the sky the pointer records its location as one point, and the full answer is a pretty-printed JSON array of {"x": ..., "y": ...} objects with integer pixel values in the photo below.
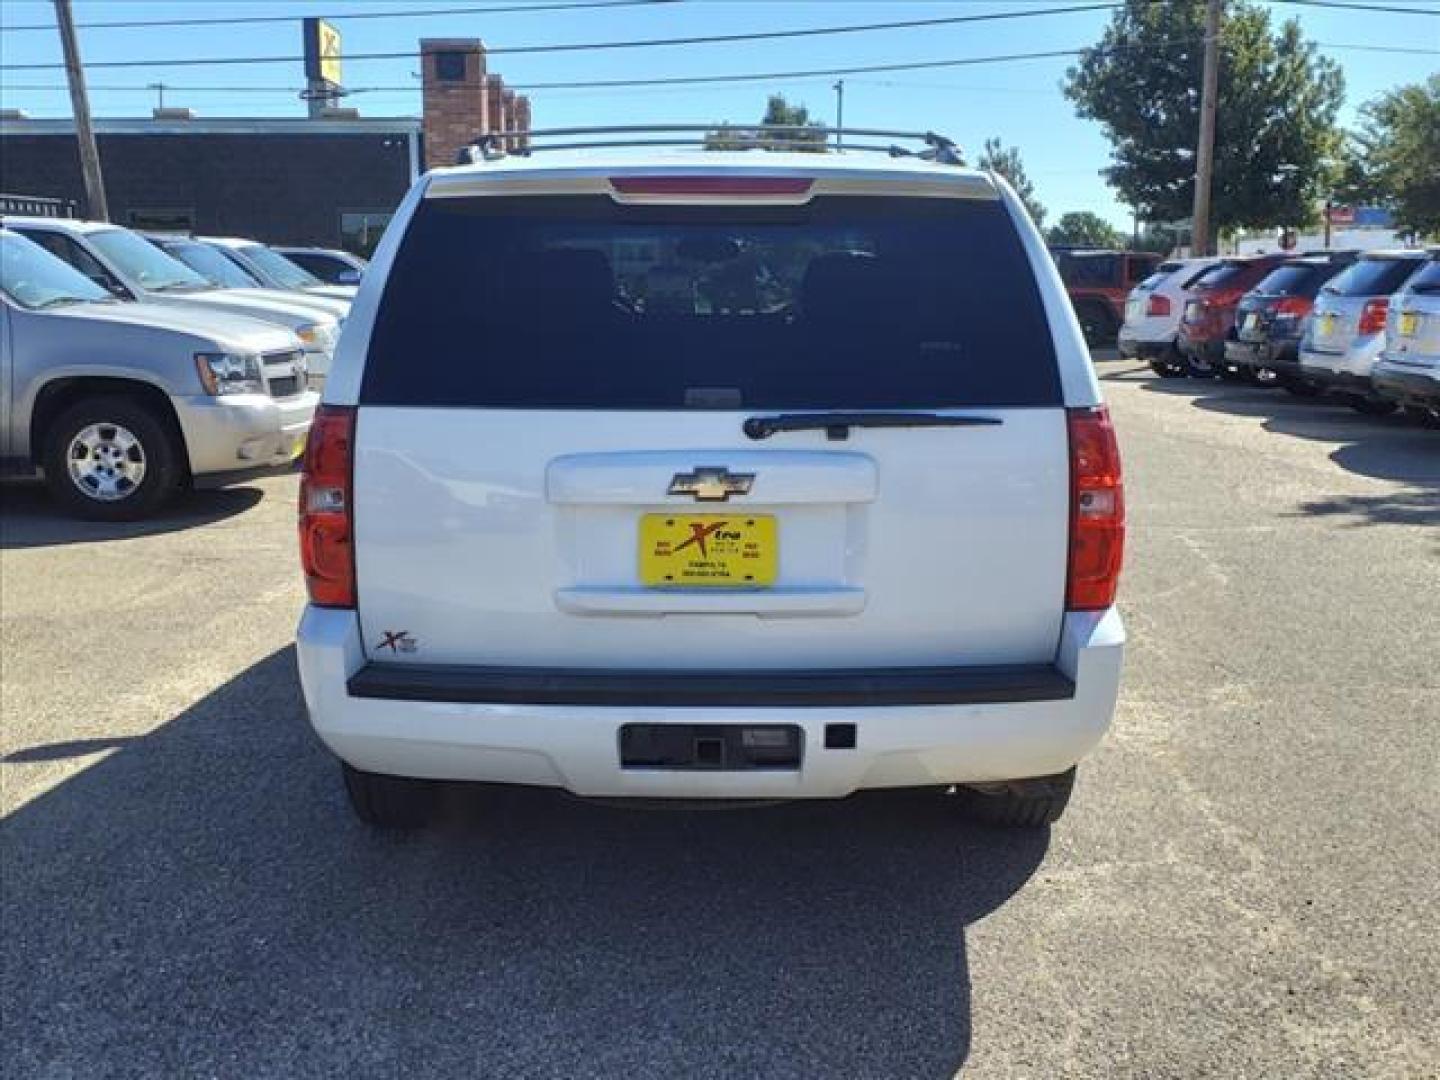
[{"x": 1018, "y": 101}]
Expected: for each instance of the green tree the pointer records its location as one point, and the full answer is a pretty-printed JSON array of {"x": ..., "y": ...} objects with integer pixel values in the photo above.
[
  {"x": 799, "y": 131},
  {"x": 1400, "y": 144},
  {"x": 1275, "y": 119},
  {"x": 1006, "y": 162},
  {"x": 1082, "y": 228}
]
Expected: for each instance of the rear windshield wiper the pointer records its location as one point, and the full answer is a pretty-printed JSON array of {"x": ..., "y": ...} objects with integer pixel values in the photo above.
[{"x": 837, "y": 425}]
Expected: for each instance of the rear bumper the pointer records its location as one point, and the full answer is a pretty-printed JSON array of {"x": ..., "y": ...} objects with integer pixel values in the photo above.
[
  {"x": 1134, "y": 348},
  {"x": 938, "y": 726},
  {"x": 1395, "y": 382}
]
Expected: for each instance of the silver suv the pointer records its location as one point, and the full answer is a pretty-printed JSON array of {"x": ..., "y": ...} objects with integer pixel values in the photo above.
[
  {"x": 1408, "y": 370},
  {"x": 120, "y": 406},
  {"x": 717, "y": 475}
]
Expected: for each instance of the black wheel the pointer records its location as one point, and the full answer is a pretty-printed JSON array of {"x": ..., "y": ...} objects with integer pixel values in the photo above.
[
  {"x": 1098, "y": 324},
  {"x": 1022, "y": 804},
  {"x": 1198, "y": 367},
  {"x": 1234, "y": 374},
  {"x": 1371, "y": 406},
  {"x": 1162, "y": 368},
  {"x": 112, "y": 458},
  {"x": 389, "y": 802},
  {"x": 1424, "y": 415},
  {"x": 1298, "y": 386}
]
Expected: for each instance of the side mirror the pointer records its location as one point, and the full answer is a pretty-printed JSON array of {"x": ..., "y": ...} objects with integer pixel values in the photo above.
[{"x": 348, "y": 277}]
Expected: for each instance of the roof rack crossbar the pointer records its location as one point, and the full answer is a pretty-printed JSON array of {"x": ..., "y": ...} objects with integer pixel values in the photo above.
[{"x": 493, "y": 145}]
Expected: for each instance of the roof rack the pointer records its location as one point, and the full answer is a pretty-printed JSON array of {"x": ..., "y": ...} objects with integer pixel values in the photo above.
[{"x": 493, "y": 146}]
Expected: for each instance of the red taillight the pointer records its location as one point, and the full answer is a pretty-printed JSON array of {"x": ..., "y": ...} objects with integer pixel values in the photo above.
[
  {"x": 1097, "y": 511},
  {"x": 327, "y": 550},
  {"x": 1372, "y": 316},
  {"x": 1293, "y": 306},
  {"x": 744, "y": 186},
  {"x": 1159, "y": 305}
]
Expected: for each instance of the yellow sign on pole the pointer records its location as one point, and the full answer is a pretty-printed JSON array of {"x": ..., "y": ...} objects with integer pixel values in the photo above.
[{"x": 322, "y": 51}]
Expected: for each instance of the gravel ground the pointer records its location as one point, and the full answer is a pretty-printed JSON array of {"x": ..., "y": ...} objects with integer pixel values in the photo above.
[{"x": 1244, "y": 885}]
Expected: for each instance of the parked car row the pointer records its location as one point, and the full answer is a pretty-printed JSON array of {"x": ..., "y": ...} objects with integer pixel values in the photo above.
[
  {"x": 134, "y": 366},
  {"x": 1364, "y": 327}
]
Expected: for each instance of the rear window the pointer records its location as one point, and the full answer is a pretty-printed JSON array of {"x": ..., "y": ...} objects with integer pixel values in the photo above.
[
  {"x": 1427, "y": 280},
  {"x": 1220, "y": 274},
  {"x": 1163, "y": 271},
  {"x": 1297, "y": 279},
  {"x": 1373, "y": 277},
  {"x": 574, "y": 302},
  {"x": 1095, "y": 269}
]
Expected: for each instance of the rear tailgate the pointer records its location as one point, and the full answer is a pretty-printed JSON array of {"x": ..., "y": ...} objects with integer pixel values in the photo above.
[{"x": 552, "y": 466}]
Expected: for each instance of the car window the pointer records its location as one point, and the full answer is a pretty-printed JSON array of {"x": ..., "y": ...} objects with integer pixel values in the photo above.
[
  {"x": 210, "y": 264},
  {"x": 323, "y": 267},
  {"x": 1163, "y": 271},
  {"x": 1137, "y": 268},
  {"x": 1219, "y": 274},
  {"x": 1372, "y": 277},
  {"x": 276, "y": 266},
  {"x": 1427, "y": 279},
  {"x": 142, "y": 262},
  {"x": 35, "y": 278},
  {"x": 1296, "y": 279},
  {"x": 71, "y": 253},
  {"x": 1096, "y": 269},
  {"x": 577, "y": 302}
]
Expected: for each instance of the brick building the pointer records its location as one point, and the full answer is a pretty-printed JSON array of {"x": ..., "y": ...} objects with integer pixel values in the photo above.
[{"x": 332, "y": 181}]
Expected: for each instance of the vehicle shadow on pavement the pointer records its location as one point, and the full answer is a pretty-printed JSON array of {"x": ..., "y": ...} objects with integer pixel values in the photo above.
[
  {"x": 201, "y": 902},
  {"x": 1384, "y": 448},
  {"x": 29, "y": 519}
]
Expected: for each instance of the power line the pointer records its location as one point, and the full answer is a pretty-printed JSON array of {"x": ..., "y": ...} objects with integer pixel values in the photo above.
[
  {"x": 414, "y": 13},
  {"x": 814, "y": 73},
  {"x": 1391, "y": 9},
  {"x": 593, "y": 46}
]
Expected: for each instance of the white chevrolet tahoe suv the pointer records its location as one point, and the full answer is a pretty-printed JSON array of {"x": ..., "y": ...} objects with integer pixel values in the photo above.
[{"x": 729, "y": 475}]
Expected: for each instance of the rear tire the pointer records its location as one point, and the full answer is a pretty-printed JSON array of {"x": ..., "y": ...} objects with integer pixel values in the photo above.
[
  {"x": 1021, "y": 804},
  {"x": 1369, "y": 406},
  {"x": 390, "y": 802},
  {"x": 1424, "y": 415},
  {"x": 112, "y": 458},
  {"x": 1098, "y": 323},
  {"x": 1297, "y": 386}
]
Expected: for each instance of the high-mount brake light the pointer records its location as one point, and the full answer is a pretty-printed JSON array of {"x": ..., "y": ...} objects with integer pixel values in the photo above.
[
  {"x": 327, "y": 535},
  {"x": 714, "y": 186},
  {"x": 1097, "y": 511}
]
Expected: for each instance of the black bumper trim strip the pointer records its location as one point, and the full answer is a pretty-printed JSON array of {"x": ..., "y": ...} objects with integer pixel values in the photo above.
[{"x": 994, "y": 684}]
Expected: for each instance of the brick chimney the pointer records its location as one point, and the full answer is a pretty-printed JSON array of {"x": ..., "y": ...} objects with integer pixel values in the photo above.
[
  {"x": 455, "y": 96},
  {"x": 495, "y": 96}
]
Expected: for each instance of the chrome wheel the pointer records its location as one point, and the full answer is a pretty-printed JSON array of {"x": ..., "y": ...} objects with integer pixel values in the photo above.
[{"x": 106, "y": 462}]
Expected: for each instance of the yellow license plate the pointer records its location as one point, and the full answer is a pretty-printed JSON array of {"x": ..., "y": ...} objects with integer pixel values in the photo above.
[
  {"x": 1327, "y": 324},
  {"x": 1409, "y": 323},
  {"x": 738, "y": 551}
]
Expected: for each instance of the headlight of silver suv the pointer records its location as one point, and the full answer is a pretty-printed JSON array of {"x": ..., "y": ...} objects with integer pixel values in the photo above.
[
  {"x": 229, "y": 373},
  {"x": 317, "y": 336}
]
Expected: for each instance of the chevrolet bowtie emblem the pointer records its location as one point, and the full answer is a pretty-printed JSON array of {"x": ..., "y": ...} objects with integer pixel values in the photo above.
[{"x": 711, "y": 484}]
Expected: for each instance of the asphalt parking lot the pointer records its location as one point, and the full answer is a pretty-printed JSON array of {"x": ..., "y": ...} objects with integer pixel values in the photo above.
[{"x": 1245, "y": 884}]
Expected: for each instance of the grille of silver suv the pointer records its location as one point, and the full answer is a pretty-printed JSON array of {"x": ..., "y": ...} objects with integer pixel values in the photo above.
[{"x": 282, "y": 373}]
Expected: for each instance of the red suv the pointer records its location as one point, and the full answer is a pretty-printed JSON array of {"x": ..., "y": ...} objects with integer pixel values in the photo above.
[
  {"x": 1099, "y": 283},
  {"x": 1209, "y": 317}
]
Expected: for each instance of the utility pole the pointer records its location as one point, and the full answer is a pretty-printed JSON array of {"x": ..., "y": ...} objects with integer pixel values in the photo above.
[
  {"x": 839, "y": 113},
  {"x": 1205, "y": 152},
  {"x": 80, "y": 103}
]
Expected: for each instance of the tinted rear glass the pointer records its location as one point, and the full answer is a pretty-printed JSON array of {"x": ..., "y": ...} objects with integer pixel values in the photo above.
[
  {"x": 1372, "y": 277},
  {"x": 1298, "y": 279},
  {"x": 1427, "y": 279},
  {"x": 1220, "y": 274},
  {"x": 572, "y": 302},
  {"x": 1098, "y": 269},
  {"x": 1161, "y": 273}
]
